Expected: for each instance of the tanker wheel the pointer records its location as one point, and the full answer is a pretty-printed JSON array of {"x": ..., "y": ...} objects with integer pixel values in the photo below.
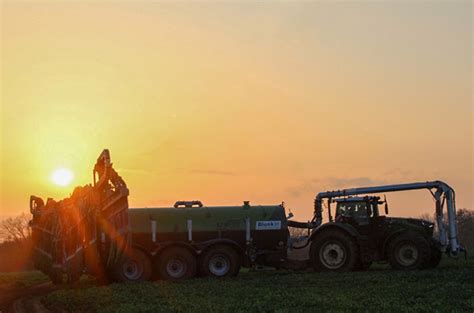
[
  {"x": 408, "y": 252},
  {"x": 176, "y": 264},
  {"x": 219, "y": 261},
  {"x": 334, "y": 251},
  {"x": 134, "y": 266}
]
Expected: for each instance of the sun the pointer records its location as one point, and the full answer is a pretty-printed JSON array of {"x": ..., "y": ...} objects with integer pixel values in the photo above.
[{"x": 62, "y": 176}]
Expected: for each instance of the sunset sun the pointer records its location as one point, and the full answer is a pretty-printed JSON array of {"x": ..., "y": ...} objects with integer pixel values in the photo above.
[{"x": 62, "y": 176}]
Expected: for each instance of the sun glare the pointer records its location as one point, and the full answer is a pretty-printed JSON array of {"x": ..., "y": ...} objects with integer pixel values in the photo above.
[{"x": 62, "y": 176}]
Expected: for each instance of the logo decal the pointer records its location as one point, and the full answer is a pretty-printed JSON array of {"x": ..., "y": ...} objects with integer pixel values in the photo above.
[{"x": 268, "y": 225}]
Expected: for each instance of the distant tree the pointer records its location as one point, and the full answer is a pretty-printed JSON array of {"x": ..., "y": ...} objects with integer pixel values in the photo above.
[
  {"x": 465, "y": 223},
  {"x": 297, "y": 232},
  {"x": 428, "y": 217},
  {"x": 465, "y": 219},
  {"x": 16, "y": 228}
]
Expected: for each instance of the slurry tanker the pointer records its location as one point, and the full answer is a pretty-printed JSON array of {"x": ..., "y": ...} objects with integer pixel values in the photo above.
[{"x": 93, "y": 231}]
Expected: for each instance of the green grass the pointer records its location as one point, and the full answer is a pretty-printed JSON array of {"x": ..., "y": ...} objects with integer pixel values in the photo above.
[
  {"x": 449, "y": 288},
  {"x": 22, "y": 279}
]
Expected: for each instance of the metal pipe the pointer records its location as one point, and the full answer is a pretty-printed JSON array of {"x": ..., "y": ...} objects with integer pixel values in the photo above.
[
  {"x": 386, "y": 188},
  {"x": 440, "y": 218},
  {"x": 452, "y": 223}
]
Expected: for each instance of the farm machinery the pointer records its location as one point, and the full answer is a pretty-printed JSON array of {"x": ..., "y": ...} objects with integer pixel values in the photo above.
[
  {"x": 360, "y": 234},
  {"x": 87, "y": 231},
  {"x": 93, "y": 231}
]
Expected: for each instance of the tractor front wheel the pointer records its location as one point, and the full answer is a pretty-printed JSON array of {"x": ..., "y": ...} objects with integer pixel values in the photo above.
[
  {"x": 409, "y": 252},
  {"x": 334, "y": 251}
]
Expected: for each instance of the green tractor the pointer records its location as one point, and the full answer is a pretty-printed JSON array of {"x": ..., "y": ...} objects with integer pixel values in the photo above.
[
  {"x": 360, "y": 233},
  {"x": 406, "y": 243}
]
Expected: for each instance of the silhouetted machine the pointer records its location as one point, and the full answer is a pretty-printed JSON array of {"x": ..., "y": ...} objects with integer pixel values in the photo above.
[
  {"x": 94, "y": 231},
  {"x": 90, "y": 229},
  {"x": 360, "y": 234}
]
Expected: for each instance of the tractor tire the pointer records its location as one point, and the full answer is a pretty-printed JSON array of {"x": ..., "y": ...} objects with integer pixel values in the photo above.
[
  {"x": 219, "y": 261},
  {"x": 334, "y": 251},
  {"x": 409, "y": 252},
  {"x": 436, "y": 255},
  {"x": 176, "y": 264},
  {"x": 134, "y": 266}
]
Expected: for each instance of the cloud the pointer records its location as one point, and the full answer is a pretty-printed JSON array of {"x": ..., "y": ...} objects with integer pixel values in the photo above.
[
  {"x": 175, "y": 171},
  {"x": 212, "y": 172},
  {"x": 390, "y": 176},
  {"x": 135, "y": 171},
  {"x": 330, "y": 183},
  {"x": 349, "y": 182}
]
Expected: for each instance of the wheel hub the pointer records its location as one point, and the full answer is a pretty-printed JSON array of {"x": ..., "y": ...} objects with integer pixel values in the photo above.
[
  {"x": 176, "y": 268},
  {"x": 407, "y": 254},
  {"x": 219, "y": 265},
  {"x": 332, "y": 255},
  {"x": 132, "y": 269}
]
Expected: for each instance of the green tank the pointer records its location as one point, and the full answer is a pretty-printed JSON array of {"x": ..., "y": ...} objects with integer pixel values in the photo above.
[
  {"x": 263, "y": 227},
  {"x": 190, "y": 239}
]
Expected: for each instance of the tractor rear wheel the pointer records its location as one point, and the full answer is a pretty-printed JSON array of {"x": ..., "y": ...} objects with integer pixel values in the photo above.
[
  {"x": 334, "y": 250},
  {"x": 408, "y": 252},
  {"x": 219, "y": 261},
  {"x": 176, "y": 263},
  {"x": 134, "y": 266}
]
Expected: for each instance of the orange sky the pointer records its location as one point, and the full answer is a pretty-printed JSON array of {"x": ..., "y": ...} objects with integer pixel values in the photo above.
[{"x": 226, "y": 102}]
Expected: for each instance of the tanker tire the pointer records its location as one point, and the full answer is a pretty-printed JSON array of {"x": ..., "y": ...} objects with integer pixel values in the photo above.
[
  {"x": 176, "y": 264},
  {"x": 219, "y": 261},
  {"x": 334, "y": 251},
  {"x": 134, "y": 266},
  {"x": 409, "y": 252}
]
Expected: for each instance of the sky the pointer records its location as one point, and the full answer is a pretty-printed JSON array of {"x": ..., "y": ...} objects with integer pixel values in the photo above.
[{"x": 230, "y": 101}]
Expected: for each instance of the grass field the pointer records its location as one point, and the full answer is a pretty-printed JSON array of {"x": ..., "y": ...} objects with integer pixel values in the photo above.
[
  {"x": 21, "y": 279},
  {"x": 449, "y": 288}
]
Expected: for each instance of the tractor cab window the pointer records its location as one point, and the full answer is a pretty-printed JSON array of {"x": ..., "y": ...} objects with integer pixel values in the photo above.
[{"x": 357, "y": 210}]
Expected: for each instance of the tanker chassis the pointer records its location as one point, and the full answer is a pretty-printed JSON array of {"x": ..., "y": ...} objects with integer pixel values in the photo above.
[
  {"x": 94, "y": 231},
  {"x": 190, "y": 239}
]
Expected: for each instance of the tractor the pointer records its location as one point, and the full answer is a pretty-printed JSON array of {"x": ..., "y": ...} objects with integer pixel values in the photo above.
[{"x": 360, "y": 234}]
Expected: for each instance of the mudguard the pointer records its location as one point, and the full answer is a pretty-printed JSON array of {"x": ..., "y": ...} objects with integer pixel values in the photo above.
[
  {"x": 206, "y": 244},
  {"x": 347, "y": 228}
]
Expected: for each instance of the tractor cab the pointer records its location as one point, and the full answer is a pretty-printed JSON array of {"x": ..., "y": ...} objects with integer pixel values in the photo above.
[
  {"x": 364, "y": 215},
  {"x": 358, "y": 209}
]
